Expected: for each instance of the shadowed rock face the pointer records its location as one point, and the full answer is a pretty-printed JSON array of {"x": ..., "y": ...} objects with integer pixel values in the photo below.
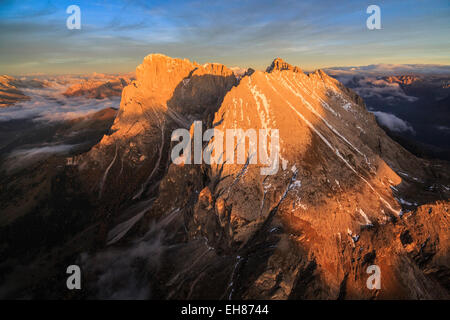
[{"x": 345, "y": 195}]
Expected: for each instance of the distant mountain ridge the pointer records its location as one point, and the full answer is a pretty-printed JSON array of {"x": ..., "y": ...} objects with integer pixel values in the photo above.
[{"x": 392, "y": 69}]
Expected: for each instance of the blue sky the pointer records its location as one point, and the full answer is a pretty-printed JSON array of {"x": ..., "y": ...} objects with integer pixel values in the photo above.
[{"x": 116, "y": 35}]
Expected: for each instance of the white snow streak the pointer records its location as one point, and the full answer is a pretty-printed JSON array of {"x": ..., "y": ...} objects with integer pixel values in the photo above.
[{"x": 336, "y": 151}]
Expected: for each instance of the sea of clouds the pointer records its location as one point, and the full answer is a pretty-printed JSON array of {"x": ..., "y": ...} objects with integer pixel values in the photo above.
[
  {"x": 49, "y": 103},
  {"x": 374, "y": 87},
  {"x": 46, "y": 106},
  {"x": 369, "y": 83}
]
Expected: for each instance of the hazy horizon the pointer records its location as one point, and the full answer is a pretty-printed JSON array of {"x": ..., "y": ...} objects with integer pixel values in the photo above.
[{"x": 382, "y": 69}]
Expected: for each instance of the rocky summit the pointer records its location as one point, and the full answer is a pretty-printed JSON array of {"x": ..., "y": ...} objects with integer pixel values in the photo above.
[{"x": 343, "y": 197}]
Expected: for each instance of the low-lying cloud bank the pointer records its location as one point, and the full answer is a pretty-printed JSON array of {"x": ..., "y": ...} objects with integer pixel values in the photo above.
[
  {"x": 393, "y": 122},
  {"x": 394, "y": 84},
  {"x": 49, "y": 103},
  {"x": 373, "y": 87},
  {"x": 23, "y": 157},
  {"x": 47, "y": 107},
  {"x": 33, "y": 152}
]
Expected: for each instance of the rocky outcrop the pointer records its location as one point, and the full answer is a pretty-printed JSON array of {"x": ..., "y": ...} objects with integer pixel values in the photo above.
[
  {"x": 279, "y": 65},
  {"x": 95, "y": 89},
  {"x": 345, "y": 196},
  {"x": 403, "y": 80}
]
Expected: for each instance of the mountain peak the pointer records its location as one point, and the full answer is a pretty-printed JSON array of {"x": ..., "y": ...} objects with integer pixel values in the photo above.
[{"x": 279, "y": 64}]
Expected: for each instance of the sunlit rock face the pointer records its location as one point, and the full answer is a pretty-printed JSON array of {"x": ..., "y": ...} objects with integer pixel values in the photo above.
[
  {"x": 342, "y": 196},
  {"x": 340, "y": 200},
  {"x": 167, "y": 94}
]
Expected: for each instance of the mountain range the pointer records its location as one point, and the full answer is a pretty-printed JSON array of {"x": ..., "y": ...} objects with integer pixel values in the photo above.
[{"x": 346, "y": 196}]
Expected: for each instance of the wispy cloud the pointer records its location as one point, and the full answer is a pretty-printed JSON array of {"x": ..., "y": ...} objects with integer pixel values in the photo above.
[
  {"x": 393, "y": 122},
  {"x": 23, "y": 157}
]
